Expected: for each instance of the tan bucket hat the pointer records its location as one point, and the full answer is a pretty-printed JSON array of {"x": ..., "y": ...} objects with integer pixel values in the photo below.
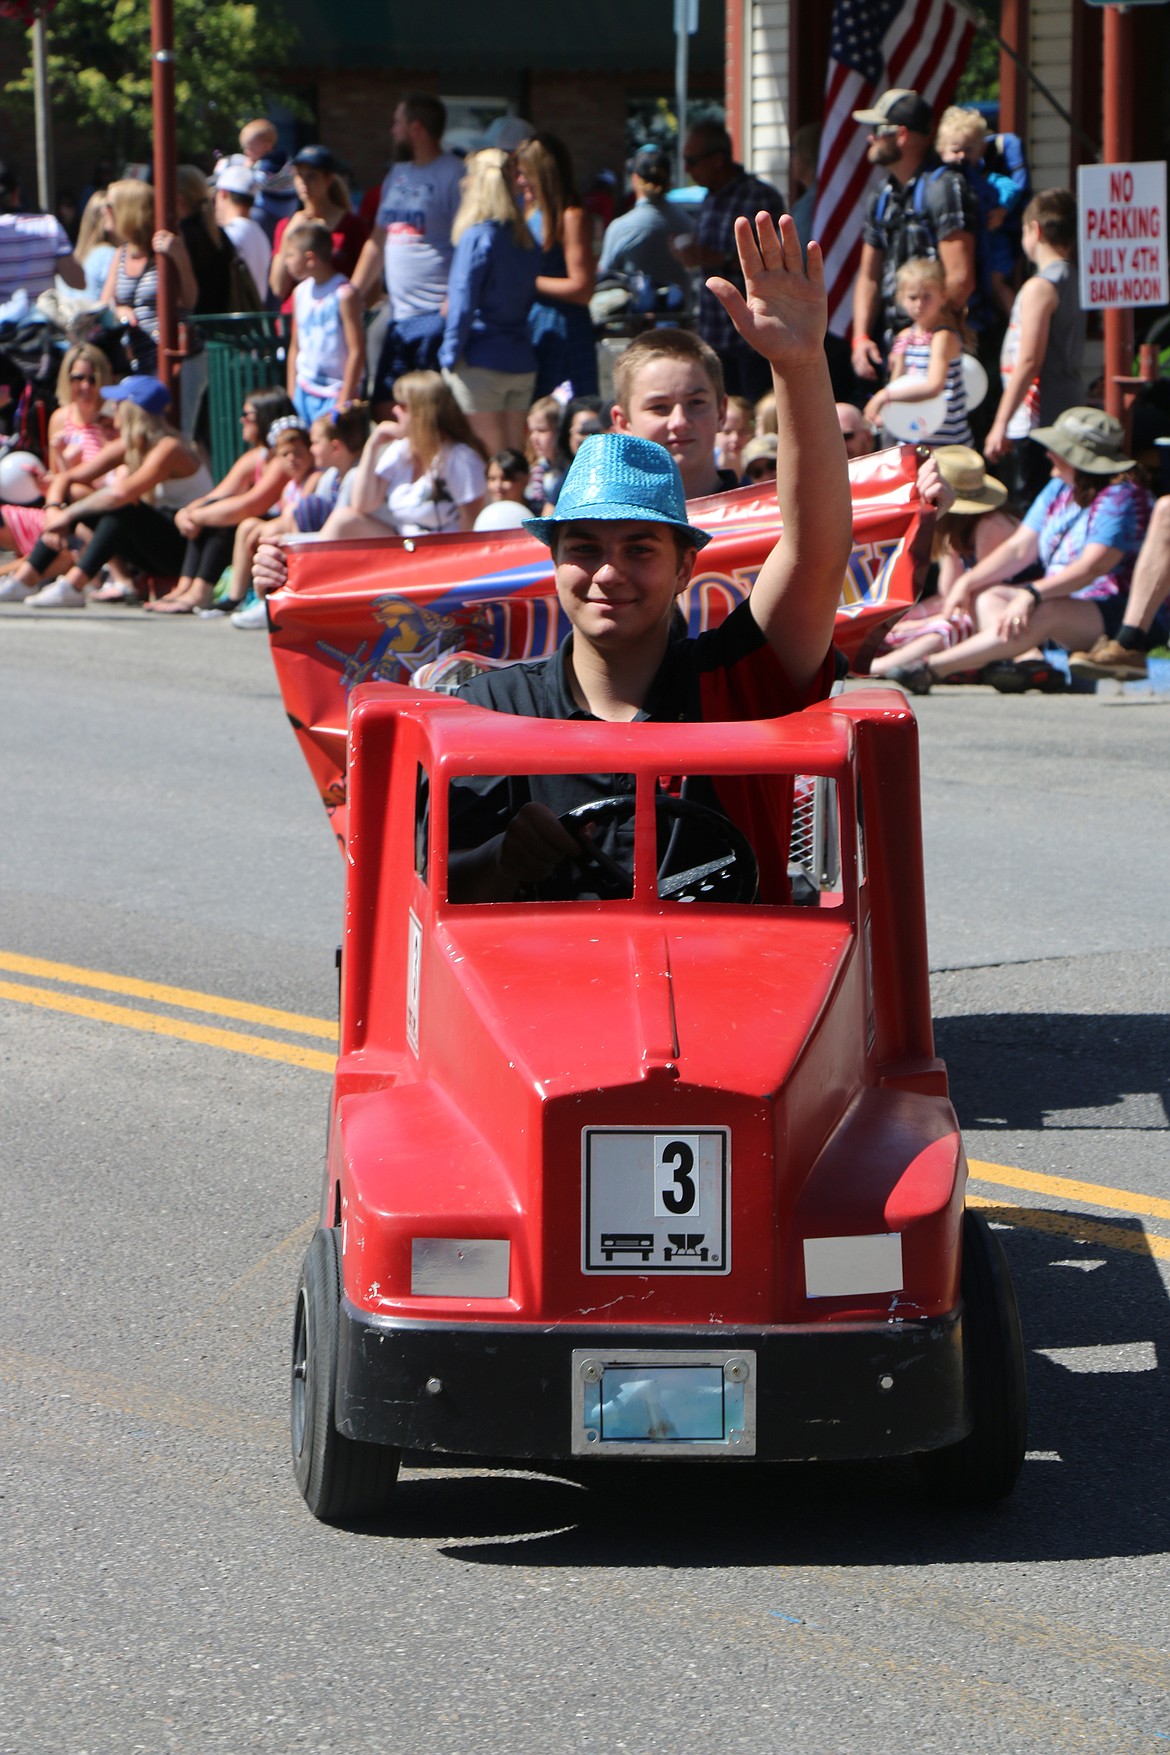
[
  {"x": 963, "y": 470},
  {"x": 1089, "y": 439}
]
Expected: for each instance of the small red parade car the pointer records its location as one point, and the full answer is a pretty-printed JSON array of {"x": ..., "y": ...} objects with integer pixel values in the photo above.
[{"x": 656, "y": 1165}]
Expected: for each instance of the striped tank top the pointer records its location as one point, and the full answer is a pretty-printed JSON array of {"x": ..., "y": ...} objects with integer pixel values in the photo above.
[
  {"x": 140, "y": 292},
  {"x": 914, "y": 346}
]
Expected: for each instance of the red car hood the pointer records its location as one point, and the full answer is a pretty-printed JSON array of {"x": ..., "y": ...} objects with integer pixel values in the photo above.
[{"x": 732, "y": 1009}]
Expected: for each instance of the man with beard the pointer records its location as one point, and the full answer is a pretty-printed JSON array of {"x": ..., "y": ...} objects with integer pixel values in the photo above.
[
  {"x": 923, "y": 208},
  {"x": 410, "y": 245}
]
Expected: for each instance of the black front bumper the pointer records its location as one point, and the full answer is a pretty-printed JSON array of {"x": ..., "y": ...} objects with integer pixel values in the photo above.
[{"x": 829, "y": 1392}]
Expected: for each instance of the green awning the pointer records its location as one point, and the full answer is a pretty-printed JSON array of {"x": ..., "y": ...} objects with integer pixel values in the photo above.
[{"x": 461, "y": 36}]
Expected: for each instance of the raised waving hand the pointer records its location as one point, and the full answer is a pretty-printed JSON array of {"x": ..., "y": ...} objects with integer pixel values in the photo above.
[{"x": 784, "y": 313}]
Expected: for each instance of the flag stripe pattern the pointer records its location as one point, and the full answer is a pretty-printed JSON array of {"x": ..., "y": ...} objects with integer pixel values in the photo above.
[{"x": 876, "y": 44}]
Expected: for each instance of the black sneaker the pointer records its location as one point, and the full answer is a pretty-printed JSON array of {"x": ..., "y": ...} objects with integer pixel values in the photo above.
[
  {"x": 1016, "y": 676},
  {"x": 914, "y": 678}
]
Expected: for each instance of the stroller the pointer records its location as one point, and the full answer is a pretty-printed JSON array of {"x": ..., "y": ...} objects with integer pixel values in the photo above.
[
  {"x": 30, "y": 355},
  {"x": 624, "y": 305}
]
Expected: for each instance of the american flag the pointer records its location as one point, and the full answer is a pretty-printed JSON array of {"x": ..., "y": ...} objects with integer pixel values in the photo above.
[{"x": 876, "y": 45}]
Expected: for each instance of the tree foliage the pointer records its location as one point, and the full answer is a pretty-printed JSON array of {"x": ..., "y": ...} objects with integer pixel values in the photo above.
[
  {"x": 100, "y": 69},
  {"x": 979, "y": 82}
]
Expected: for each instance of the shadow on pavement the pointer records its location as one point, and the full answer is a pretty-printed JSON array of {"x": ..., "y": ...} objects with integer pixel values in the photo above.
[
  {"x": 1014, "y": 1069},
  {"x": 1096, "y": 1486}
]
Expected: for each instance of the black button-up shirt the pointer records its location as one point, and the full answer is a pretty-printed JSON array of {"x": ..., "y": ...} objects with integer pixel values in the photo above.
[{"x": 728, "y": 673}]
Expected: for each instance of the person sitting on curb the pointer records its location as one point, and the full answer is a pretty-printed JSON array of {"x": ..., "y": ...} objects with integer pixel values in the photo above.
[
  {"x": 1086, "y": 529},
  {"x": 1123, "y": 655},
  {"x": 131, "y": 519},
  {"x": 624, "y": 551},
  {"x": 973, "y": 525}
]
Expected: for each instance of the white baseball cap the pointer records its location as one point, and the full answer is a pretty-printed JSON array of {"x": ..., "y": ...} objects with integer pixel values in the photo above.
[{"x": 236, "y": 180}]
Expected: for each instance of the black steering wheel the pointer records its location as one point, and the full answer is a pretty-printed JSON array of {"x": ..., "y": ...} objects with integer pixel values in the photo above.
[{"x": 732, "y": 874}]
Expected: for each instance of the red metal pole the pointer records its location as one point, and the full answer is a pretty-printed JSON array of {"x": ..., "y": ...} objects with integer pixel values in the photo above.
[
  {"x": 1013, "y": 91},
  {"x": 162, "y": 62},
  {"x": 733, "y": 74},
  {"x": 1117, "y": 108}
]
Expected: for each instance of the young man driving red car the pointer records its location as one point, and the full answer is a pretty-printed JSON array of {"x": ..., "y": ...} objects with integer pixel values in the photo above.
[{"x": 624, "y": 552}]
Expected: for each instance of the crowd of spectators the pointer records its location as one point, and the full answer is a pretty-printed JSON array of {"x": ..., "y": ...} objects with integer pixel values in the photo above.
[{"x": 443, "y": 367}]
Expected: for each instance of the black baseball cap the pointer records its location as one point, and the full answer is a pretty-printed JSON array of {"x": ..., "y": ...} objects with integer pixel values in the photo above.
[
  {"x": 316, "y": 158},
  {"x": 899, "y": 108}
]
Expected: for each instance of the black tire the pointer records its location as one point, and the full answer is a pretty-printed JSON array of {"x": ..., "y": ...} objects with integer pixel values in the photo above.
[
  {"x": 983, "y": 1466},
  {"x": 340, "y": 1480}
]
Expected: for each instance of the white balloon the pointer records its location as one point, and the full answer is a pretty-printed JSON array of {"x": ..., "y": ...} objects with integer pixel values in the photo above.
[
  {"x": 974, "y": 379},
  {"x": 19, "y": 478},
  {"x": 502, "y": 515},
  {"x": 911, "y": 421}
]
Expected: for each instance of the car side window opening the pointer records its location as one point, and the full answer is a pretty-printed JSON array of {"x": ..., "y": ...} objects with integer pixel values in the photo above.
[
  {"x": 814, "y": 852},
  {"x": 422, "y": 824},
  {"x": 861, "y": 868}
]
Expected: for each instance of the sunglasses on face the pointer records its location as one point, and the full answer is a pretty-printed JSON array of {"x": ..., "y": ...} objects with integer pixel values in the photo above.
[{"x": 82, "y": 378}]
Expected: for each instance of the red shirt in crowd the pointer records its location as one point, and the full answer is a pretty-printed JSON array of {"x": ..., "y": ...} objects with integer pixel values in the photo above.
[{"x": 349, "y": 234}]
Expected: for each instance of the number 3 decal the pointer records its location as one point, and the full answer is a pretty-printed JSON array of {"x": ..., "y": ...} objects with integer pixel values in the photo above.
[{"x": 676, "y": 1188}]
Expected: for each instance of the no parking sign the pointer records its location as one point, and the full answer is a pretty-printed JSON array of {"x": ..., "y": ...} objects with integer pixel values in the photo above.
[{"x": 1122, "y": 227}]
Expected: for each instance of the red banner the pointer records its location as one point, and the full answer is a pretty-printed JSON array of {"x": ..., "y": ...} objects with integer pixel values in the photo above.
[
  {"x": 26, "y": 10},
  {"x": 368, "y": 611}
]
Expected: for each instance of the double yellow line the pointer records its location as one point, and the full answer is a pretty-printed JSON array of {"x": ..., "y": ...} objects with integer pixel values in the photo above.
[
  {"x": 159, "y": 1023},
  {"x": 1076, "y": 1226}
]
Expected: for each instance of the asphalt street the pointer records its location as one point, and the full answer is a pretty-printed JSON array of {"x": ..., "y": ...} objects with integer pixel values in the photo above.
[{"x": 170, "y": 899}]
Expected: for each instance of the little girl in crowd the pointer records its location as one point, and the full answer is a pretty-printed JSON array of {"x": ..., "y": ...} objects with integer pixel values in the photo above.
[
  {"x": 336, "y": 442},
  {"x": 289, "y": 440},
  {"x": 548, "y": 466},
  {"x": 335, "y": 445},
  {"x": 737, "y": 431},
  {"x": 507, "y": 485},
  {"x": 926, "y": 359},
  {"x": 507, "y": 476}
]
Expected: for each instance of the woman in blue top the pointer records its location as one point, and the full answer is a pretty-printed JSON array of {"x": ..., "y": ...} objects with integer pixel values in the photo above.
[
  {"x": 487, "y": 356},
  {"x": 1085, "y": 530},
  {"x": 559, "y": 322}
]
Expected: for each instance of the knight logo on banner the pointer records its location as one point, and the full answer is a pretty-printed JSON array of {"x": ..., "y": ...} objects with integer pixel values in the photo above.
[{"x": 429, "y": 610}]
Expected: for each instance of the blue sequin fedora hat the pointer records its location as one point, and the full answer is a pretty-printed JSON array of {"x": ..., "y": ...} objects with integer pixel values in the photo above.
[{"x": 618, "y": 476}]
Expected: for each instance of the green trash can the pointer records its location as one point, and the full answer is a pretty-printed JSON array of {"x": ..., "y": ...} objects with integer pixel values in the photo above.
[{"x": 245, "y": 351}]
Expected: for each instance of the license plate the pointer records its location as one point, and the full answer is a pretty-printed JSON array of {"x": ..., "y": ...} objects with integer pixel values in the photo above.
[
  {"x": 630, "y": 1403},
  {"x": 655, "y": 1202}
]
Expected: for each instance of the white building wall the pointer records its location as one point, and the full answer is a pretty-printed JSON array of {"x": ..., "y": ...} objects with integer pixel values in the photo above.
[
  {"x": 766, "y": 61},
  {"x": 1051, "y": 54}
]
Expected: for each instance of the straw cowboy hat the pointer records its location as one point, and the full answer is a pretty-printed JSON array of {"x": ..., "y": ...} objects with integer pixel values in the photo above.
[{"x": 975, "y": 491}]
